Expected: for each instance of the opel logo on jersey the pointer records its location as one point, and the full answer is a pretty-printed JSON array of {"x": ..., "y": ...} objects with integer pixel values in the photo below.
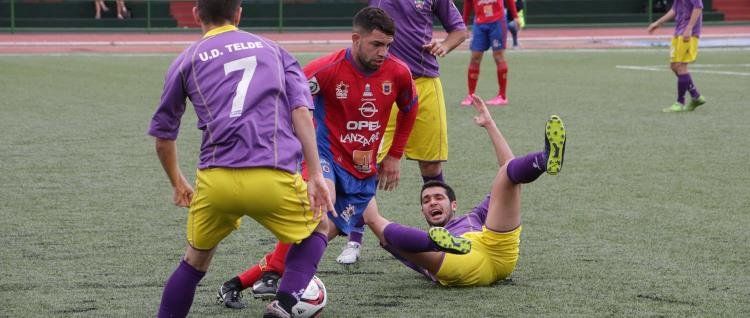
[{"x": 368, "y": 109}]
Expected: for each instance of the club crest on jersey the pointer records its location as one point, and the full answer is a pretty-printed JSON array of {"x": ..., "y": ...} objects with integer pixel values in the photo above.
[
  {"x": 314, "y": 86},
  {"x": 419, "y": 4},
  {"x": 325, "y": 165},
  {"x": 368, "y": 91},
  {"x": 387, "y": 87},
  {"x": 347, "y": 213},
  {"x": 342, "y": 90}
]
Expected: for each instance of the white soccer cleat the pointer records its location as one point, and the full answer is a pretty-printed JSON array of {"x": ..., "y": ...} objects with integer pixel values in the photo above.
[{"x": 350, "y": 254}]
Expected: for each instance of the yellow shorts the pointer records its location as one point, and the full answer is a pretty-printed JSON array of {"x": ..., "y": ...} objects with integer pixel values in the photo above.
[
  {"x": 429, "y": 137},
  {"x": 683, "y": 52},
  {"x": 493, "y": 257},
  {"x": 276, "y": 199}
]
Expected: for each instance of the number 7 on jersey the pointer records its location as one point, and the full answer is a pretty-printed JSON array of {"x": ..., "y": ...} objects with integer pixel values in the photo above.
[{"x": 247, "y": 65}]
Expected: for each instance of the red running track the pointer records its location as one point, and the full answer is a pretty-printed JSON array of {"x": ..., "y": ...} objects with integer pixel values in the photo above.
[{"x": 542, "y": 38}]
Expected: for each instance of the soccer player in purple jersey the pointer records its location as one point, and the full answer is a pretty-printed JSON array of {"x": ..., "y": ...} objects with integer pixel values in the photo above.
[
  {"x": 253, "y": 106},
  {"x": 428, "y": 142},
  {"x": 688, "y": 15},
  {"x": 480, "y": 247}
]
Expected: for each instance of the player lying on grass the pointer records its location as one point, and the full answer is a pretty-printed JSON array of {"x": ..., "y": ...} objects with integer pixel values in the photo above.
[{"x": 483, "y": 245}]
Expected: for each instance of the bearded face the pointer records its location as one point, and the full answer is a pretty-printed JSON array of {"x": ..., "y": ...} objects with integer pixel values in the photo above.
[{"x": 437, "y": 208}]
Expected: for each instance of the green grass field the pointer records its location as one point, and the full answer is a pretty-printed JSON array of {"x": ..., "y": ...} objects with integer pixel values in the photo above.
[{"x": 649, "y": 216}]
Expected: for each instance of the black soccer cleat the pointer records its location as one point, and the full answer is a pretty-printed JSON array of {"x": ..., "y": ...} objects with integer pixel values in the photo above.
[{"x": 230, "y": 296}]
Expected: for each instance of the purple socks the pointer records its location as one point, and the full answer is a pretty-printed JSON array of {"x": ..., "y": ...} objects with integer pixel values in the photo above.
[
  {"x": 301, "y": 264},
  {"x": 685, "y": 84},
  {"x": 356, "y": 235},
  {"x": 408, "y": 239},
  {"x": 691, "y": 88},
  {"x": 683, "y": 81},
  {"x": 438, "y": 177},
  {"x": 527, "y": 168},
  {"x": 179, "y": 291}
]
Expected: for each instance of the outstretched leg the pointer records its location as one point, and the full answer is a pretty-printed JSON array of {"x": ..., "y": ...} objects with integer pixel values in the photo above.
[{"x": 505, "y": 199}]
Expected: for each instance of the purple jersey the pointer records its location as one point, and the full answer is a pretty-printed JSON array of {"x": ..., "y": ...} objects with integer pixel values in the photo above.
[
  {"x": 243, "y": 88},
  {"x": 470, "y": 222},
  {"x": 682, "y": 10},
  {"x": 413, "y": 20}
]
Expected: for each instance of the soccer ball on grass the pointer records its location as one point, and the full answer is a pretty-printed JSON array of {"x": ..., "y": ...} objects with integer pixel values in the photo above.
[{"x": 313, "y": 300}]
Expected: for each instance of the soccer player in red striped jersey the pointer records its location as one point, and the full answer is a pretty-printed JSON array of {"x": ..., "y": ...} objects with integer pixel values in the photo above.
[
  {"x": 490, "y": 31},
  {"x": 354, "y": 91}
]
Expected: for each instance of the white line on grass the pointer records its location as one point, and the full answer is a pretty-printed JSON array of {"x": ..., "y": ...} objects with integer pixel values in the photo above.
[{"x": 661, "y": 69}]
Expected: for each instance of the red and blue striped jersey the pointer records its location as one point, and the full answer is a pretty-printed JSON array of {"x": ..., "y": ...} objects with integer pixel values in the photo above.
[
  {"x": 352, "y": 108},
  {"x": 487, "y": 11}
]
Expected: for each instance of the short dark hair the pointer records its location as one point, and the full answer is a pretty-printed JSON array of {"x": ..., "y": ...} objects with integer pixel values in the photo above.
[
  {"x": 217, "y": 12},
  {"x": 371, "y": 18},
  {"x": 441, "y": 184}
]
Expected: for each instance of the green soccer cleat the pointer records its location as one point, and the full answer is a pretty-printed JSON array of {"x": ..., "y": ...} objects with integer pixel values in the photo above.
[
  {"x": 694, "y": 103},
  {"x": 449, "y": 243},
  {"x": 675, "y": 108},
  {"x": 554, "y": 144}
]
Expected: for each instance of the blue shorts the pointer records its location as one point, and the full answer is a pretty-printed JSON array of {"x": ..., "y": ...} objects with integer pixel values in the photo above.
[
  {"x": 352, "y": 195},
  {"x": 486, "y": 35}
]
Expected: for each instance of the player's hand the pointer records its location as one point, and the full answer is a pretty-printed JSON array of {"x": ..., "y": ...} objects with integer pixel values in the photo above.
[
  {"x": 183, "y": 193},
  {"x": 389, "y": 173},
  {"x": 686, "y": 35},
  {"x": 652, "y": 27},
  {"x": 320, "y": 198},
  {"x": 483, "y": 118},
  {"x": 436, "y": 48}
]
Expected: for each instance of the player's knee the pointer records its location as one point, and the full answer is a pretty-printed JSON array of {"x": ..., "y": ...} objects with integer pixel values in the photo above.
[
  {"x": 323, "y": 226},
  {"x": 430, "y": 169},
  {"x": 331, "y": 231},
  {"x": 377, "y": 226},
  {"x": 675, "y": 67},
  {"x": 476, "y": 57},
  {"x": 198, "y": 259}
]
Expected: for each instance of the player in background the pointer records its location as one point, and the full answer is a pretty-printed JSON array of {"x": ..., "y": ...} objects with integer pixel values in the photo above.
[
  {"x": 415, "y": 45},
  {"x": 514, "y": 27},
  {"x": 354, "y": 90},
  {"x": 490, "y": 31},
  {"x": 253, "y": 106},
  {"x": 688, "y": 15},
  {"x": 480, "y": 247}
]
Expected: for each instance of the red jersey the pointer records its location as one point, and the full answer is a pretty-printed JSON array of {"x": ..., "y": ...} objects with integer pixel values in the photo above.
[
  {"x": 352, "y": 108},
  {"x": 486, "y": 11}
]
